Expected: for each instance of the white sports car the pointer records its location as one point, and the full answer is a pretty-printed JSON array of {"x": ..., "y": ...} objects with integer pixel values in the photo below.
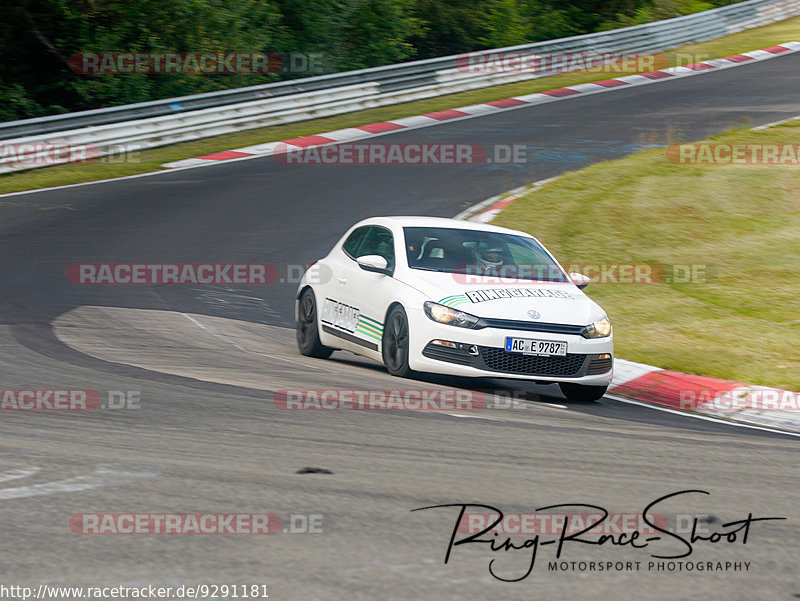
[{"x": 453, "y": 297}]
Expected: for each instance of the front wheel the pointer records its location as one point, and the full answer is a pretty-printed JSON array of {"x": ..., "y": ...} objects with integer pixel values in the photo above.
[
  {"x": 581, "y": 392},
  {"x": 307, "y": 331},
  {"x": 394, "y": 345}
]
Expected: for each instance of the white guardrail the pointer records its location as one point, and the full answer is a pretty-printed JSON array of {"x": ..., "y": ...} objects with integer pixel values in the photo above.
[{"x": 103, "y": 132}]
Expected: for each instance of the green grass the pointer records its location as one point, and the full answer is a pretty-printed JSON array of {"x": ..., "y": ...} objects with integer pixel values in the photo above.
[
  {"x": 151, "y": 160},
  {"x": 742, "y": 222}
]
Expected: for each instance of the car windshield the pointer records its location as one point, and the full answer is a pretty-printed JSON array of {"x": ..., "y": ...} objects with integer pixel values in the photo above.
[{"x": 453, "y": 250}]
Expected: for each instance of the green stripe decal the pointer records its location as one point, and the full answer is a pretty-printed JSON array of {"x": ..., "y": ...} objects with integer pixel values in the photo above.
[
  {"x": 453, "y": 301},
  {"x": 369, "y": 328},
  {"x": 372, "y": 322},
  {"x": 368, "y": 333}
]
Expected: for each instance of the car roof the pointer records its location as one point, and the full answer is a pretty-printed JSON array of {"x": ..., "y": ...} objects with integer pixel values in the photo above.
[{"x": 399, "y": 221}]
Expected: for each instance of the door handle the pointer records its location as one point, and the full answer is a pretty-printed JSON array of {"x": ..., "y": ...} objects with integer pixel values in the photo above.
[{"x": 342, "y": 281}]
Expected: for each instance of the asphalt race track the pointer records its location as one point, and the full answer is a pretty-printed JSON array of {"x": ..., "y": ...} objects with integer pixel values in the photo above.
[{"x": 204, "y": 360}]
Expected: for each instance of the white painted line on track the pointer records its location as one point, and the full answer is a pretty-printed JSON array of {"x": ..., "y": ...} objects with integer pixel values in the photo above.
[
  {"x": 102, "y": 476},
  {"x": 774, "y": 123},
  {"x": 494, "y": 419},
  {"x": 214, "y": 334},
  {"x": 554, "y": 405},
  {"x": 21, "y": 472}
]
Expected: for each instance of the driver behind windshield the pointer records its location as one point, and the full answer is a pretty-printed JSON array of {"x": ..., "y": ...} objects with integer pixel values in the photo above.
[{"x": 487, "y": 257}]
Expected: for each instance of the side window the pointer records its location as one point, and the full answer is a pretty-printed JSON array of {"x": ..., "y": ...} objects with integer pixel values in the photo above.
[
  {"x": 354, "y": 240},
  {"x": 378, "y": 241}
]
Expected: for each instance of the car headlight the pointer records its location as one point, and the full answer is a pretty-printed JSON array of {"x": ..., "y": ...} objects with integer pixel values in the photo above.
[
  {"x": 599, "y": 329},
  {"x": 449, "y": 316}
]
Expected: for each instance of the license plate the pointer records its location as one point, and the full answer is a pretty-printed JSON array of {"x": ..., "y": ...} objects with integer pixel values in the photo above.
[{"x": 527, "y": 346}]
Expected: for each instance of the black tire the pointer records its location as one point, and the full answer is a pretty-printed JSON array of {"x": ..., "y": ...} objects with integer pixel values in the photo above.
[
  {"x": 580, "y": 392},
  {"x": 394, "y": 345},
  {"x": 307, "y": 330}
]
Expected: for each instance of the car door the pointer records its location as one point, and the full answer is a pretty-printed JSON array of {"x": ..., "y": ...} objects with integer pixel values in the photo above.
[
  {"x": 363, "y": 295},
  {"x": 337, "y": 316}
]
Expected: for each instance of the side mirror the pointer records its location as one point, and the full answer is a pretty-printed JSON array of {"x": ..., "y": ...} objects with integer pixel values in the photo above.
[
  {"x": 580, "y": 280},
  {"x": 374, "y": 263}
]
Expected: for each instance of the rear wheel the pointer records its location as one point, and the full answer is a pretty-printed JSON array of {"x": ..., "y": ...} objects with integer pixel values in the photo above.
[
  {"x": 395, "y": 343},
  {"x": 580, "y": 392},
  {"x": 307, "y": 331}
]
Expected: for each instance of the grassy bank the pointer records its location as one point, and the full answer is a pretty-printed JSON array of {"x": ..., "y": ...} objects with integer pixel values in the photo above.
[
  {"x": 152, "y": 160},
  {"x": 741, "y": 319}
]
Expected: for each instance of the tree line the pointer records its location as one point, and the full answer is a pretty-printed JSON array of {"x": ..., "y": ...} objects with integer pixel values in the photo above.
[{"x": 40, "y": 39}]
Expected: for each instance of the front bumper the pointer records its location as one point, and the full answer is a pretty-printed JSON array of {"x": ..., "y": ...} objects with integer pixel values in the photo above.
[{"x": 481, "y": 353}]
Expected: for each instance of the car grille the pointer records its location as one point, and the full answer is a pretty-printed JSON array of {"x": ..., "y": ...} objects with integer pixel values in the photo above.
[
  {"x": 530, "y": 326},
  {"x": 498, "y": 359}
]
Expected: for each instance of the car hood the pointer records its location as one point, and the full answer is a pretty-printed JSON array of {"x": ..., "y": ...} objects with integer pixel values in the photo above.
[{"x": 526, "y": 300}]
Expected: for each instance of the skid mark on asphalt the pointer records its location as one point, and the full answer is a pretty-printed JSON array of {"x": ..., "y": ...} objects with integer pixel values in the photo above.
[
  {"x": 230, "y": 301},
  {"x": 102, "y": 476}
]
